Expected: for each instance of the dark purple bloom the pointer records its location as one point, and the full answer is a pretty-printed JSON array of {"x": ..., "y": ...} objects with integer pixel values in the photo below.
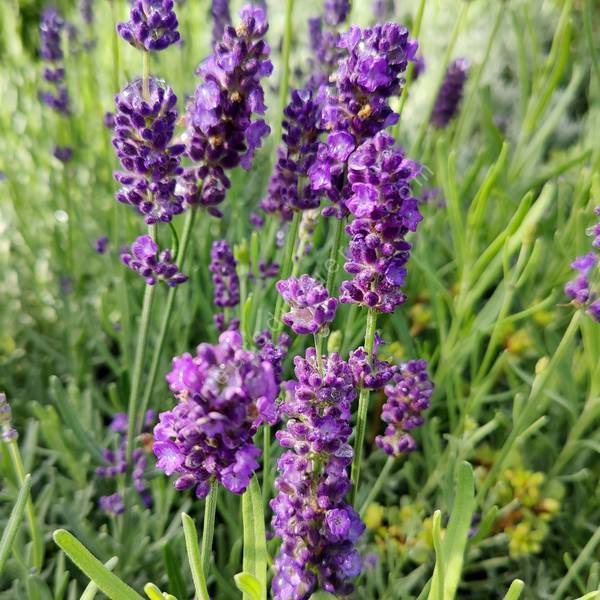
[
  {"x": 273, "y": 353},
  {"x": 142, "y": 139},
  {"x": 408, "y": 396},
  {"x": 224, "y": 275},
  {"x": 311, "y": 306},
  {"x": 153, "y": 266},
  {"x": 221, "y": 133},
  {"x": 86, "y": 10},
  {"x": 152, "y": 25},
  {"x": 289, "y": 189},
  {"x": 384, "y": 212},
  {"x": 9, "y": 433},
  {"x": 370, "y": 372},
  {"x": 101, "y": 244},
  {"x": 51, "y": 31},
  {"x": 317, "y": 527},
  {"x": 221, "y": 325},
  {"x": 256, "y": 220},
  {"x": 224, "y": 394},
  {"x": 221, "y": 15},
  {"x": 116, "y": 464},
  {"x": 450, "y": 94},
  {"x": 594, "y": 230},
  {"x": 335, "y": 12},
  {"x": 63, "y": 153},
  {"x": 419, "y": 67},
  {"x": 357, "y": 107},
  {"x": 109, "y": 120},
  {"x": 578, "y": 289}
]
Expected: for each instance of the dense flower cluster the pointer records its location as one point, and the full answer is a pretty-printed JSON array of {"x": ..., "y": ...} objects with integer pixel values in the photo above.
[
  {"x": 116, "y": 464},
  {"x": 152, "y": 25},
  {"x": 9, "y": 433},
  {"x": 289, "y": 189},
  {"x": 225, "y": 279},
  {"x": 51, "y": 29},
  {"x": 450, "y": 94},
  {"x": 272, "y": 353},
  {"x": 318, "y": 528},
  {"x": 224, "y": 394},
  {"x": 369, "y": 371},
  {"x": 311, "y": 306},
  {"x": 142, "y": 138},
  {"x": 221, "y": 133},
  {"x": 153, "y": 266},
  {"x": 357, "y": 106},
  {"x": 408, "y": 396},
  {"x": 384, "y": 211},
  {"x": 221, "y": 16}
]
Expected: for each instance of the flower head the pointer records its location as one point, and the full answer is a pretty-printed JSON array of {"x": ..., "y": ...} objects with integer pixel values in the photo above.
[
  {"x": 52, "y": 26},
  {"x": 221, "y": 133},
  {"x": 312, "y": 308},
  {"x": 145, "y": 259},
  {"x": 142, "y": 139},
  {"x": 408, "y": 396},
  {"x": 224, "y": 393},
  {"x": 221, "y": 15},
  {"x": 9, "y": 433},
  {"x": 450, "y": 94},
  {"x": 152, "y": 25},
  {"x": 224, "y": 275}
]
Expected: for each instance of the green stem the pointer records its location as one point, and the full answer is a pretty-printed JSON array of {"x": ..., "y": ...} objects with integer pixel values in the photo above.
[
  {"x": 146, "y": 75},
  {"x": 363, "y": 405},
  {"x": 138, "y": 363},
  {"x": 36, "y": 540},
  {"x": 532, "y": 405},
  {"x": 332, "y": 263},
  {"x": 208, "y": 527},
  {"x": 286, "y": 269},
  {"x": 285, "y": 61},
  {"x": 266, "y": 481},
  {"x": 411, "y": 66},
  {"x": 115, "y": 47},
  {"x": 166, "y": 320},
  {"x": 377, "y": 485}
]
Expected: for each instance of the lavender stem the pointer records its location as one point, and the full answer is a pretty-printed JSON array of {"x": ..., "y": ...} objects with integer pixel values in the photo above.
[{"x": 208, "y": 527}]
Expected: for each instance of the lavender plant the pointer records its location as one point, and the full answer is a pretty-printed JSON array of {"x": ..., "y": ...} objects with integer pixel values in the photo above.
[{"x": 352, "y": 273}]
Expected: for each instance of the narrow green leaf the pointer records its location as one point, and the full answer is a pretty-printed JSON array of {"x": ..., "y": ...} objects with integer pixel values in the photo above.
[
  {"x": 193, "y": 553},
  {"x": 108, "y": 583},
  {"x": 14, "y": 521},
  {"x": 249, "y": 585},
  {"x": 436, "y": 592},
  {"x": 457, "y": 533},
  {"x": 255, "y": 546},
  {"x": 90, "y": 591},
  {"x": 515, "y": 589},
  {"x": 153, "y": 592},
  {"x": 174, "y": 575}
]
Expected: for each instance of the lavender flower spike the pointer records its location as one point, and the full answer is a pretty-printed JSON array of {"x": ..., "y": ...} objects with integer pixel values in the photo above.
[
  {"x": 152, "y": 25},
  {"x": 318, "y": 528},
  {"x": 145, "y": 260},
  {"x": 221, "y": 15},
  {"x": 450, "y": 94},
  {"x": 407, "y": 397},
  {"x": 224, "y": 275},
  {"x": 221, "y": 132},
  {"x": 224, "y": 394},
  {"x": 9, "y": 433},
  {"x": 312, "y": 308},
  {"x": 142, "y": 139},
  {"x": 51, "y": 30}
]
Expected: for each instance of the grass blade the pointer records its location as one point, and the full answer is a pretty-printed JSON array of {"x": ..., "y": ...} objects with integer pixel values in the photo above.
[
  {"x": 14, "y": 521},
  {"x": 193, "y": 553},
  {"x": 255, "y": 545}
]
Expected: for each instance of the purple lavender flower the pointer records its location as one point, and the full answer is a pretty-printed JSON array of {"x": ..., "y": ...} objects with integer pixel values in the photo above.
[
  {"x": 221, "y": 325},
  {"x": 272, "y": 353},
  {"x": 317, "y": 527},
  {"x": 357, "y": 107},
  {"x": 385, "y": 211},
  {"x": 288, "y": 187},
  {"x": 370, "y": 372},
  {"x": 116, "y": 464},
  {"x": 221, "y": 15},
  {"x": 383, "y": 9},
  {"x": 152, "y": 25},
  {"x": 145, "y": 260},
  {"x": 419, "y": 67},
  {"x": 52, "y": 26},
  {"x": 224, "y": 394},
  {"x": 312, "y": 308},
  {"x": 594, "y": 230},
  {"x": 407, "y": 397},
  {"x": 63, "y": 153},
  {"x": 86, "y": 9},
  {"x": 221, "y": 133},
  {"x": 335, "y": 12},
  {"x": 224, "y": 275},
  {"x": 450, "y": 94},
  {"x": 142, "y": 139},
  {"x": 9, "y": 433},
  {"x": 108, "y": 120},
  {"x": 101, "y": 245}
]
